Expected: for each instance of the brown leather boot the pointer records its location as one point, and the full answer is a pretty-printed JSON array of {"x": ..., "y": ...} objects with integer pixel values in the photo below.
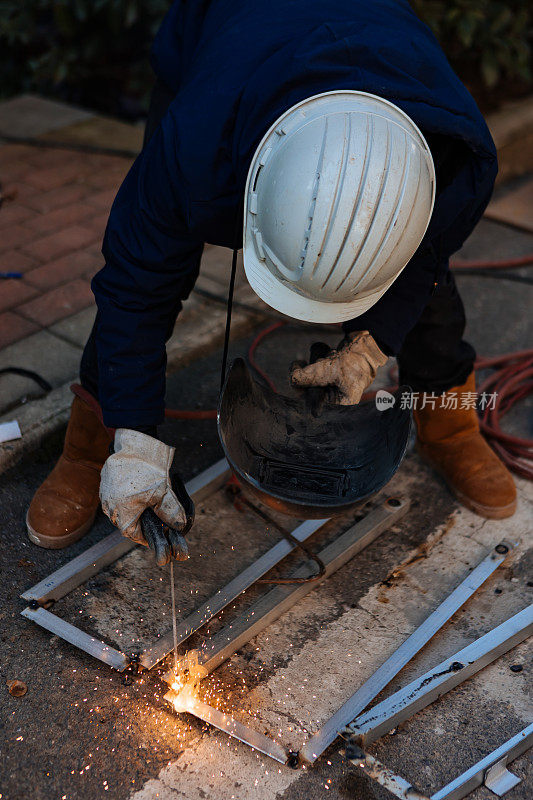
[
  {"x": 450, "y": 441},
  {"x": 64, "y": 506}
]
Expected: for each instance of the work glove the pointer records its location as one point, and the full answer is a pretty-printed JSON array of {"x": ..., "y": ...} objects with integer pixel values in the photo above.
[
  {"x": 349, "y": 370},
  {"x": 139, "y": 497}
]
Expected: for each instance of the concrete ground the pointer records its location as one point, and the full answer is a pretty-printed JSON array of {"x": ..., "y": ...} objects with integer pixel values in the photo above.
[{"x": 82, "y": 732}]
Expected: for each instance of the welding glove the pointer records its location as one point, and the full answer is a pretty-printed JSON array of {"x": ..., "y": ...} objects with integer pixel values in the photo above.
[
  {"x": 139, "y": 497},
  {"x": 350, "y": 369}
]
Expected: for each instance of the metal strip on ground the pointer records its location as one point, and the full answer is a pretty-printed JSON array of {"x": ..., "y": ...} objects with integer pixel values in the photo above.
[
  {"x": 356, "y": 704},
  {"x": 480, "y": 773},
  {"x": 220, "y": 646},
  {"x": 89, "y": 563},
  {"x": 94, "y": 647},
  {"x": 386, "y": 777},
  {"x": 80, "y": 569},
  {"x": 418, "y": 694},
  {"x": 490, "y": 771},
  {"x": 224, "y": 596},
  {"x": 238, "y": 730}
]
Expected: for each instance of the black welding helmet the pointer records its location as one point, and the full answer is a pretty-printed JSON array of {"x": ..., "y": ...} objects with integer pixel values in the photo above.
[{"x": 309, "y": 465}]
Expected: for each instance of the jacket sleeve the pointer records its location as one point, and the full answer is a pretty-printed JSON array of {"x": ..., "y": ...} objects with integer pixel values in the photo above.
[{"x": 151, "y": 264}]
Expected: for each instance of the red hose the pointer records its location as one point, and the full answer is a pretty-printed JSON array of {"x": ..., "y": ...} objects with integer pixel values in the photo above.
[
  {"x": 177, "y": 413},
  {"x": 507, "y": 263},
  {"x": 511, "y": 381},
  {"x": 253, "y": 347}
]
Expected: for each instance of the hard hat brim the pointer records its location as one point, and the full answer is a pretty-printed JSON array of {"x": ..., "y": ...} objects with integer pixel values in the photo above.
[{"x": 285, "y": 300}]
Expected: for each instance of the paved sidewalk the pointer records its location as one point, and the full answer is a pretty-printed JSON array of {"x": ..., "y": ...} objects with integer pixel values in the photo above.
[
  {"x": 51, "y": 232},
  {"x": 52, "y": 224}
]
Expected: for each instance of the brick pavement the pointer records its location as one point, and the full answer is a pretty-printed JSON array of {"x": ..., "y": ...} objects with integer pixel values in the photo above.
[{"x": 51, "y": 232}]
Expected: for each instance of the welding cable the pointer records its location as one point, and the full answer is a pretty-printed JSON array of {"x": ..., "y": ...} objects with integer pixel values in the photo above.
[
  {"x": 234, "y": 491},
  {"x": 28, "y": 373},
  {"x": 495, "y": 274},
  {"x": 511, "y": 381},
  {"x": 506, "y": 263},
  {"x": 253, "y": 347}
]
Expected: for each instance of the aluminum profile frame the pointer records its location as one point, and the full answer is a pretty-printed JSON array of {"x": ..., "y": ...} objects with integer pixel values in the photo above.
[
  {"x": 237, "y": 730},
  {"x": 228, "y": 593},
  {"x": 75, "y": 572},
  {"x": 427, "y": 688},
  {"x": 491, "y": 770},
  {"x": 357, "y": 703},
  {"x": 220, "y": 646},
  {"x": 269, "y": 607}
]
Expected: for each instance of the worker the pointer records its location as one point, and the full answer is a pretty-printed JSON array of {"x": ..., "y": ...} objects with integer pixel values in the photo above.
[{"x": 337, "y": 137}]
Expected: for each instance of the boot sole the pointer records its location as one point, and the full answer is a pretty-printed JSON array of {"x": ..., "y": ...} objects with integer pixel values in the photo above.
[
  {"x": 58, "y": 542},
  {"x": 488, "y": 512}
]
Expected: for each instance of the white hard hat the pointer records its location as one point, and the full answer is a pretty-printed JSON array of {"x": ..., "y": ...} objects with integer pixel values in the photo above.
[{"x": 338, "y": 198}]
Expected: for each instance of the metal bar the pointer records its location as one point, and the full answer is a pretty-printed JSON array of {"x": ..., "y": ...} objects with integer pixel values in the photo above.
[
  {"x": 274, "y": 603},
  {"x": 499, "y": 780},
  {"x": 489, "y": 771},
  {"x": 418, "y": 694},
  {"x": 477, "y": 775},
  {"x": 224, "y": 596},
  {"x": 209, "y": 481},
  {"x": 80, "y": 639},
  {"x": 395, "y": 784},
  {"x": 316, "y": 745},
  {"x": 80, "y": 569},
  {"x": 227, "y": 724}
]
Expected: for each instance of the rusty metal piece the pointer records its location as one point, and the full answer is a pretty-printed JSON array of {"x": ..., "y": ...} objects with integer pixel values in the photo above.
[{"x": 17, "y": 688}]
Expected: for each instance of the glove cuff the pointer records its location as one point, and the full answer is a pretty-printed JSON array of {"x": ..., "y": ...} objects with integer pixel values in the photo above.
[
  {"x": 363, "y": 342},
  {"x": 150, "y": 450}
]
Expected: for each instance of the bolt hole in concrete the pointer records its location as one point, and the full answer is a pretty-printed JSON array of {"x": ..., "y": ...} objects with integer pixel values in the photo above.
[{"x": 394, "y": 502}]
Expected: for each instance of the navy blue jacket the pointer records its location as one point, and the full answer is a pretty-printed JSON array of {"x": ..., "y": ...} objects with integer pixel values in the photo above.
[{"x": 233, "y": 67}]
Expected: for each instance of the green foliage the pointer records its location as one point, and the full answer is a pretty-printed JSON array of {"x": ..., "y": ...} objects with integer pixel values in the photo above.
[
  {"x": 94, "y": 52},
  {"x": 490, "y": 40},
  {"x": 89, "y": 51}
]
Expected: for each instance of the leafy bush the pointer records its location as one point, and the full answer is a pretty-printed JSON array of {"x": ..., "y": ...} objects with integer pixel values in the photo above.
[
  {"x": 94, "y": 52},
  {"x": 489, "y": 42}
]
